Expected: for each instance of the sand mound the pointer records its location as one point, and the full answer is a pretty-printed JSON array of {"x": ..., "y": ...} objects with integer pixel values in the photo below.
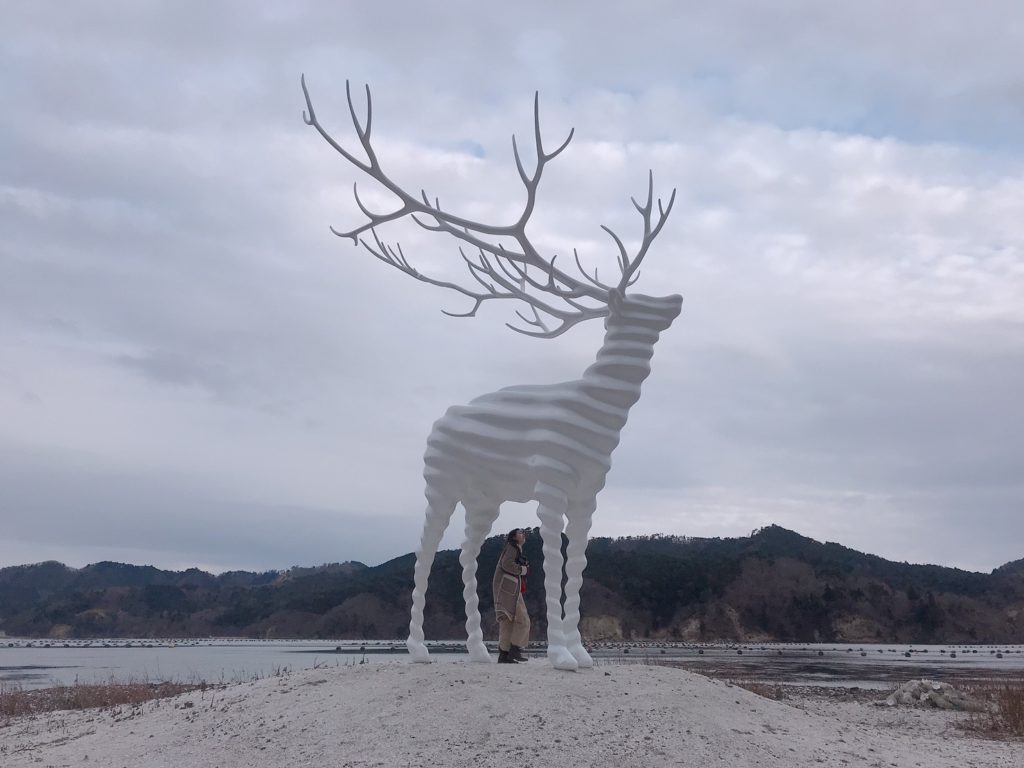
[{"x": 464, "y": 714}]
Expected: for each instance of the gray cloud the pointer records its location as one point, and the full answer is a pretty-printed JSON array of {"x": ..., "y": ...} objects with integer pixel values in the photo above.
[{"x": 192, "y": 369}]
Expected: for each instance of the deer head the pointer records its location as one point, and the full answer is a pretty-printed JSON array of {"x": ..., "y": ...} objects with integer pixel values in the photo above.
[{"x": 557, "y": 300}]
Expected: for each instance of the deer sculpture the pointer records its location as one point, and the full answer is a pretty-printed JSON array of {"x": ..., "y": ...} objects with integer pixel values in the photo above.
[{"x": 546, "y": 443}]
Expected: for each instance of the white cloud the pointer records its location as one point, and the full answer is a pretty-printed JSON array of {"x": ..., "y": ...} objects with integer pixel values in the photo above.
[{"x": 175, "y": 317}]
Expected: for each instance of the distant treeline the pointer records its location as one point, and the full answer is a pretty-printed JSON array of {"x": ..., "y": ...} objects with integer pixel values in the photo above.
[{"x": 772, "y": 585}]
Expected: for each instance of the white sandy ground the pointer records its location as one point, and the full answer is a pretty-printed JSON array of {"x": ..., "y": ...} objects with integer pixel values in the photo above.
[{"x": 465, "y": 714}]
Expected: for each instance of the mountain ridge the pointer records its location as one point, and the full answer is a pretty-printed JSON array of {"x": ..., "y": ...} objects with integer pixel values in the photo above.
[{"x": 772, "y": 585}]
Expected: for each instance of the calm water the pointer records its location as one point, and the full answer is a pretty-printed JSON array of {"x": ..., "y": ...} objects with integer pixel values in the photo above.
[{"x": 37, "y": 664}]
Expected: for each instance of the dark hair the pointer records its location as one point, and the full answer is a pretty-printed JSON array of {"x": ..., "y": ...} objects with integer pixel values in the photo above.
[{"x": 512, "y": 535}]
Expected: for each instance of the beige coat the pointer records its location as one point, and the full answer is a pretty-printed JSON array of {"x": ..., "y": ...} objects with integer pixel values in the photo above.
[{"x": 506, "y": 584}]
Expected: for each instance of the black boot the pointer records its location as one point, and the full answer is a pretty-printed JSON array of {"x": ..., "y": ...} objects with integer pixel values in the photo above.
[
  {"x": 517, "y": 654},
  {"x": 504, "y": 657}
]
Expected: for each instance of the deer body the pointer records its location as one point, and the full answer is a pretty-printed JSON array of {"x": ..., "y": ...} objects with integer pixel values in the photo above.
[
  {"x": 502, "y": 443},
  {"x": 547, "y": 443}
]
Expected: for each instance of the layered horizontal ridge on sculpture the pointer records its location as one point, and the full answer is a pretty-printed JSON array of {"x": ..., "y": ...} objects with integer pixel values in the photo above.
[{"x": 549, "y": 443}]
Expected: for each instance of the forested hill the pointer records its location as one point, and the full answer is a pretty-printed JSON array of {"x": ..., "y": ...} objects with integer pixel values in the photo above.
[{"x": 772, "y": 585}]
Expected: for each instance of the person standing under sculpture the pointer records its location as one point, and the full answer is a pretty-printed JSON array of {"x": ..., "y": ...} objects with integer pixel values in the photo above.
[{"x": 508, "y": 585}]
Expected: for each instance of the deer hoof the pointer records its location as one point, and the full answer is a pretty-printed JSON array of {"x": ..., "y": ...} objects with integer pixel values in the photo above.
[
  {"x": 417, "y": 651},
  {"x": 560, "y": 658},
  {"x": 582, "y": 657}
]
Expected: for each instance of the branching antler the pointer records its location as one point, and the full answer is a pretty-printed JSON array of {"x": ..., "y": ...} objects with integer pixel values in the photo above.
[{"x": 501, "y": 273}]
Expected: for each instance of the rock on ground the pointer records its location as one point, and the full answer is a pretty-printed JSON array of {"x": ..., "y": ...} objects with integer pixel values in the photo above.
[{"x": 931, "y": 693}]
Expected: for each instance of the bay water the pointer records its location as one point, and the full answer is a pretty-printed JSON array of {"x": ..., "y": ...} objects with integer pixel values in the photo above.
[{"x": 43, "y": 663}]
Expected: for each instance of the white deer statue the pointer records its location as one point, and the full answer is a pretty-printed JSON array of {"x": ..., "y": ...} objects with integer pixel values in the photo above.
[{"x": 547, "y": 443}]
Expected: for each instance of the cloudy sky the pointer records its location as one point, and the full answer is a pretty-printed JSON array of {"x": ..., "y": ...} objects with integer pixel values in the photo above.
[{"x": 194, "y": 371}]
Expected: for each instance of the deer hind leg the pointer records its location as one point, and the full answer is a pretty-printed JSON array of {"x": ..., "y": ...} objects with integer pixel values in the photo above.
[
  {"x": 580, "y": 517},
  {"x": 480, "y": 516},
  {"x": 551, "y": 511},
  {"x": 439, "y": 512}
]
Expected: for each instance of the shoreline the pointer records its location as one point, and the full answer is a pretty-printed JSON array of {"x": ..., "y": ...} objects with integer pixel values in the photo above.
[{"x": 38, "y": 664}]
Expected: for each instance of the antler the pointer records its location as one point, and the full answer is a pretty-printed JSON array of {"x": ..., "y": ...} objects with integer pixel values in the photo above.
[
  {"x": 501, "y": 273},
  {"x": 629, "y": 267}
]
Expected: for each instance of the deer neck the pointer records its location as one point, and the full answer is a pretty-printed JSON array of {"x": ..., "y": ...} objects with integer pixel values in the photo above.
[{"x": 622, "y": 364}]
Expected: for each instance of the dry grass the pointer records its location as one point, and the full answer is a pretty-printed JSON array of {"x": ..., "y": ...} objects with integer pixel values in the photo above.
[
  {"x": 1003, "y": 716},
  {"x": 16, "y": 702}
]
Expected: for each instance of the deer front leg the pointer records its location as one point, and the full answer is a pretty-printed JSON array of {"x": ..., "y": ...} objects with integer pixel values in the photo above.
[
  {"x": 580, "y": 517},
  {"x": 480, "y": 516},
  {"x": 551, "y": 511},
  {"x": 439, "y": 512}
]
